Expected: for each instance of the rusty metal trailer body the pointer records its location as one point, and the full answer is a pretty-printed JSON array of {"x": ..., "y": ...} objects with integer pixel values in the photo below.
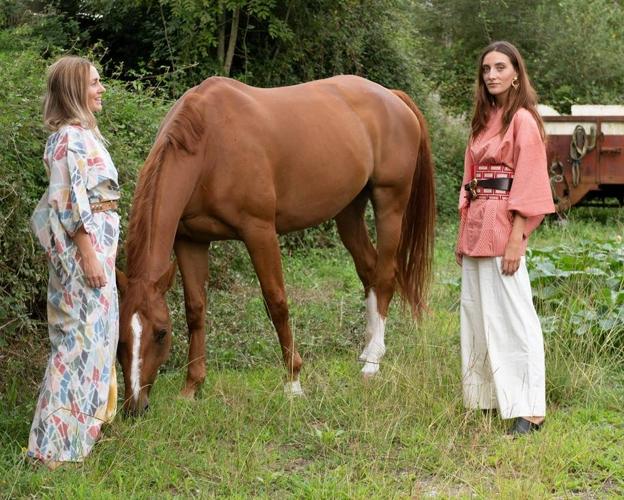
[{"x": 585, "y": 154}]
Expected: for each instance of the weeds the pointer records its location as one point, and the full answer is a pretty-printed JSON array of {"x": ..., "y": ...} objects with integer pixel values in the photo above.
[{"x": 404, "y": 433}]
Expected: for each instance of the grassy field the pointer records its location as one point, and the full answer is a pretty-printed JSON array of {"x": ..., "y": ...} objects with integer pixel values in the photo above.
[{"x": 402, "y": 434}]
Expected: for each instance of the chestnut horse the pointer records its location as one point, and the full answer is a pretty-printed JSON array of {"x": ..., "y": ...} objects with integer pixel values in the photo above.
[{"x": 237, "y": 162}]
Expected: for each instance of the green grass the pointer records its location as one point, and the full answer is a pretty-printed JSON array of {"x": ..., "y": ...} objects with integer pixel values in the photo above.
[{"x": 402, "y": 434}]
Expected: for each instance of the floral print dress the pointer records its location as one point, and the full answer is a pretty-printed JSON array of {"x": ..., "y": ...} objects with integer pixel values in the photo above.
[{"x": 79, "y": 389}]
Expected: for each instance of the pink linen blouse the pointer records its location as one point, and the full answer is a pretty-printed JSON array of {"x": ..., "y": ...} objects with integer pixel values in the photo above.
[{"x": 486, "y": 222}]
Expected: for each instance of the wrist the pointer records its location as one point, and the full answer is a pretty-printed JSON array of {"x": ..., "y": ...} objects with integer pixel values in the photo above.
[{"x": 88, "y": 256}]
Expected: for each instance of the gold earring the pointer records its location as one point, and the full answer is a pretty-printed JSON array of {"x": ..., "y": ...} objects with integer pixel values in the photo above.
[{"x": 515, "y": 83}]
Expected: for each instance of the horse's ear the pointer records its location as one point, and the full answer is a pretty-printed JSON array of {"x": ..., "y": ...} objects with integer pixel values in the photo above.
[
  {"x": 122, "y": 281},
  {"x": 166, "y": 280}
]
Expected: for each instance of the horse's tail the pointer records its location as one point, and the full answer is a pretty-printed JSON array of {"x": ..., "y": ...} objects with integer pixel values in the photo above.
[{"x": 415, "y": 251}]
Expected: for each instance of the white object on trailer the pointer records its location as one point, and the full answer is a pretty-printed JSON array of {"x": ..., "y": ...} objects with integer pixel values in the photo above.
[
  {"x": 545, "y": 110},
  {"x": 597, "y": 110}
]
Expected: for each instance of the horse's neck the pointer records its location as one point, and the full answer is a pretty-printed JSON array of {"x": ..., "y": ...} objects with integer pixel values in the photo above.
[
  {"x": 150, "y": 240},
  {"x": 162, "y": 236},
  {"x": 156, "y": 225}
]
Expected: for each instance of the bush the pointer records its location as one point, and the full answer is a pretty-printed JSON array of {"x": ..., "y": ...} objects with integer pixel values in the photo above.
[
  {"x": 449, "y": 136},
  {"x": 22, "y": 267}
]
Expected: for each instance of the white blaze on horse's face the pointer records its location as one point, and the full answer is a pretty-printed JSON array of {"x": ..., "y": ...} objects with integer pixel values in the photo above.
[
  {"x": 375, "y": 330},
  {"x": 135, "y": 367}
]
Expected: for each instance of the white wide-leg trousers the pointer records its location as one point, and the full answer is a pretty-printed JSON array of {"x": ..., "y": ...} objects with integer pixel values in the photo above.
[{"x": 501, "y": 340}]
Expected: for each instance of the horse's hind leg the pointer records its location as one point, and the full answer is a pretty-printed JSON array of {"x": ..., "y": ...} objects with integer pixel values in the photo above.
[
  {"x": 263, "y": 247},
  {"x": 354, "y": 235},
  {"x": 193, "y": 263},
  {"x": 389, "y": 204}
]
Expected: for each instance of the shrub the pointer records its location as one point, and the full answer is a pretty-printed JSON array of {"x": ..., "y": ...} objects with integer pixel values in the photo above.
[{"x": 22, "y": 176}]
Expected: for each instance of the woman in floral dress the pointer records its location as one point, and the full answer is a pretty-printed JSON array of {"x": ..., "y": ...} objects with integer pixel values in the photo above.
[{"x": 76, "y": 223}]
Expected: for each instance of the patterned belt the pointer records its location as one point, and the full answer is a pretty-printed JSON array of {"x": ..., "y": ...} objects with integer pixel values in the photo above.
[
  {"x": 104, "y": 206},
  {"x": 490, "y": 182}
]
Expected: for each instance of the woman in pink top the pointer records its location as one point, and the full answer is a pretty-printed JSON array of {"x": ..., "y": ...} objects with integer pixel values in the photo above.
[{"x": 504, "y": 196}]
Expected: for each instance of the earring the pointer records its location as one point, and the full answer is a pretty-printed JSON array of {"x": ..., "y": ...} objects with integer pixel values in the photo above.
[{"x": 515, "y": 83}]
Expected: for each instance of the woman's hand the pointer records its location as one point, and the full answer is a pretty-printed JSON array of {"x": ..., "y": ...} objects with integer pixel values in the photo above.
[
  {"x": 513, "y": 250},
  {"x": 93, "y": 271},
  {"x": 458, "y": 257},
  {"x": 512, "y": 256}
]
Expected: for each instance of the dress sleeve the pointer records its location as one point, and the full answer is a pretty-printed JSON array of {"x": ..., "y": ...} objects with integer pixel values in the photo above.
[
  {"x": 530, "y": 193},
  {"x": 68, "y": 184}
]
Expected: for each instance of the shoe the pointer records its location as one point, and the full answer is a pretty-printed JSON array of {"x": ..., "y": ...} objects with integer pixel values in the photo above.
[
  {"x": 523, "y": 426},
  {"x": 489, "y": 412}
]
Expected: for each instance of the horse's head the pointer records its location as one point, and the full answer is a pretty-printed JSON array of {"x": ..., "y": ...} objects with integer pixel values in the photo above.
[{"x": 144, "y": 335}]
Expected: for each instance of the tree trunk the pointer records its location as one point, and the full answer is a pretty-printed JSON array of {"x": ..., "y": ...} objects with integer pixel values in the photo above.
[
  {"x": 232, "y": 42},
  {"x": 221, "y": 46}
]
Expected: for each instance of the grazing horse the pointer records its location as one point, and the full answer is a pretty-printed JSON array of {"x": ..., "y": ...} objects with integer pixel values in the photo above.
[{"x": 237, "y": 162}]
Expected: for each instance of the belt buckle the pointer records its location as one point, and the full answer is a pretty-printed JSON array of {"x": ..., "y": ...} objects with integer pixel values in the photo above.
[{"x": 472, "y": 186}]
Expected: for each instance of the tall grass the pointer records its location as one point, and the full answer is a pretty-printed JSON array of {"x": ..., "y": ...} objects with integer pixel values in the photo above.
[{"x": 404, "y": 433}]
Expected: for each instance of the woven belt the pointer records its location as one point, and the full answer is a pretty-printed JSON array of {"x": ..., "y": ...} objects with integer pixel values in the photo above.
[
  {"x": 501, "y": 183},
  {"x": 103, "y": 206}
]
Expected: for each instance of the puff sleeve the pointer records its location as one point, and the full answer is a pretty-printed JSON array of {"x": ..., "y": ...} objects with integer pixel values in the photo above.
[{"x": 530, "y": 194}]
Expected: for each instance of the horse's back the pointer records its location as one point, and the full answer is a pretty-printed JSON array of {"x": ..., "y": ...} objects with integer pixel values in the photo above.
[{"x": 302, "y": 152}]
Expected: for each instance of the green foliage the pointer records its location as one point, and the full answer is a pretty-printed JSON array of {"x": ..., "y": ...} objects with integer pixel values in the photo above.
[
  {"x": 15, "y": 12},
  {"x": 580, "y": 289},
  {"x": 22, "y": 267},
  {"x": 580, "y": 53},
  {"x": 175, "y": 44},
  {"x": 449, "y": 135},
  {"x": 573, "y": 48}
]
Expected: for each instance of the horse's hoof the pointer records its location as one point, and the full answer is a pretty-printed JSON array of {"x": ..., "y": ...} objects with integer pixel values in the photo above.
[
  {"x": 373, "y": 353},
  {"x": 187, "y": 394},
  {"x": 370, "y": 370},
  {"x": 364, "y": 356},
  {"x": 293, "y": 389}
]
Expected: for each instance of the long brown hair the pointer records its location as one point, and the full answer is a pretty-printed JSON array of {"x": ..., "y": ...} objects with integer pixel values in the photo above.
[
  {"x": 524, "y": 96},
  {"x": 66, "y": 100}
]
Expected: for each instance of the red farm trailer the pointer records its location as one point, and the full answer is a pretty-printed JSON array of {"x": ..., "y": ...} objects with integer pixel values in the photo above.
[{"x": 585, "y": 154}]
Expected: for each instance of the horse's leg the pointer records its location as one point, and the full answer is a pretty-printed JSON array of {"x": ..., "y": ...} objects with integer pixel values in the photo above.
[
  {"x": 263, "y": 247},
  {"x": 354, "y": 234},
  {"x": 389, "y": 205},
  {"x": 193, "y": 263}
]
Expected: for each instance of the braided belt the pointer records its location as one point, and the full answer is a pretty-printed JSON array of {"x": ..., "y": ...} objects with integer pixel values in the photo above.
[{"x": 104, "y": 206}]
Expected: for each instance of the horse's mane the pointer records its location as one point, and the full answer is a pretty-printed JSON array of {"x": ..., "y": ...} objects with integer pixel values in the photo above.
[{"x": 181, "y": 132}]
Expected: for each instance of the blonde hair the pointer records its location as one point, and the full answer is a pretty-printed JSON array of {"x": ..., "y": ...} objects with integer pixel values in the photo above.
[{"x": 65, "y": 101}]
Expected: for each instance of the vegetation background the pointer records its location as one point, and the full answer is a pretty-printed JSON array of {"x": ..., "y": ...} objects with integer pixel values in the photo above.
[{"x": 151, "y": 51}]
